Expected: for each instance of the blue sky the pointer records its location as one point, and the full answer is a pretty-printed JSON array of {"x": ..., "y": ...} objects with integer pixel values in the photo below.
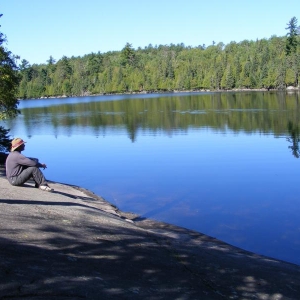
[{"x": 36, "y": 29}]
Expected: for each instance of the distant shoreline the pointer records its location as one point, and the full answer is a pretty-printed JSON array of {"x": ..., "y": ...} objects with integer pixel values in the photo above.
[{"x": 288, "y": 89}]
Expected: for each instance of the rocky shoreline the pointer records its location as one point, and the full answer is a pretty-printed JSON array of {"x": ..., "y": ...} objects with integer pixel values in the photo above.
[
  {"x": 287, "y": 89},
  {"x": 72, "y": 244}
]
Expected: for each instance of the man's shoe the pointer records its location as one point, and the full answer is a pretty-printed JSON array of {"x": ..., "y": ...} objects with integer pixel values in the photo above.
[{"x": 46, "y": 188}]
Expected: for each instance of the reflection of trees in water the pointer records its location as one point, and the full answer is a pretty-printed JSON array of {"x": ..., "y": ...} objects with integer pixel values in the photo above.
[
  {"x": 294, "y": 138},
  {"x": 247, "y": 112}
]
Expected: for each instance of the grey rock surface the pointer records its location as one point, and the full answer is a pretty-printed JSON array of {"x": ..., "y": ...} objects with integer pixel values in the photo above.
[{"x": 72, "y": 244}]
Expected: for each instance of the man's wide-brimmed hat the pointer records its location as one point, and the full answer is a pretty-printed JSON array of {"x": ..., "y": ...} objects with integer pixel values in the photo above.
[{"x": 16, "y": 143}]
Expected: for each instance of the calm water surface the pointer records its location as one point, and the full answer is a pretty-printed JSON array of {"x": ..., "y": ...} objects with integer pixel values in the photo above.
[{"x": 224, "y": 164}]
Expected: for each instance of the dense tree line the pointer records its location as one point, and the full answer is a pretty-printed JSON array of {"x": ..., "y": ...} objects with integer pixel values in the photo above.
[{"x": 272, "y": 63}]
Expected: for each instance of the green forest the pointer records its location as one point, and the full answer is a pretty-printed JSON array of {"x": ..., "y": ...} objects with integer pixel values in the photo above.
[{"x": 272, "y": 63}]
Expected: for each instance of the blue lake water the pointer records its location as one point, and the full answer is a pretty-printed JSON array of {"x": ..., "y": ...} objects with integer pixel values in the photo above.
[{"x": 224, "y": 164}]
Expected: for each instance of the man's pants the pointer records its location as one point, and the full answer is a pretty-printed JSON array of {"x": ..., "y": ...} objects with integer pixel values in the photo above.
[{"x": 30, "y": 172}]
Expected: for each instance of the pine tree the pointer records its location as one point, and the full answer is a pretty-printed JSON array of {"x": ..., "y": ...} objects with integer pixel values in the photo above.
[{"x": 292, "y": 42}]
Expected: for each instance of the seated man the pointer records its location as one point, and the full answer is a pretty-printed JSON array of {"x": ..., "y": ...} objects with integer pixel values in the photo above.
[{"x": 20, "y": 168}]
